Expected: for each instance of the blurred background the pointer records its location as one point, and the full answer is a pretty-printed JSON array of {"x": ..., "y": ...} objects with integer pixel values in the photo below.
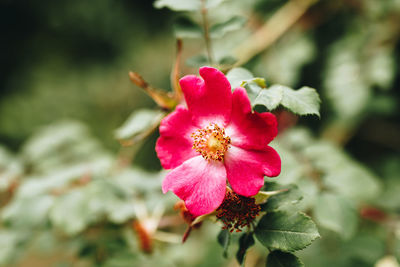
[{"x": 64, "y": 89}]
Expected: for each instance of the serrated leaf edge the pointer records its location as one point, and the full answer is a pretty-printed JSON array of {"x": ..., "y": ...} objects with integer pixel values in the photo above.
[{"x": 317, "y": 235}]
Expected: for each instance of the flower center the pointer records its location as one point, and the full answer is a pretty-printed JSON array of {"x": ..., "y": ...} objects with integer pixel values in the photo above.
[{"x": 211, "y": 142}]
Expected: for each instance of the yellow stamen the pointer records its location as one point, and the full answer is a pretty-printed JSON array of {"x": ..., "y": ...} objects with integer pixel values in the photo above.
[{"x": 211, "y": 142}]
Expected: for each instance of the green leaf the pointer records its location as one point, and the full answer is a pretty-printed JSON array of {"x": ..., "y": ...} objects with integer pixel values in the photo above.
[
  {"x": 70, "y": 212},
  {"x": 348, "y": 180},
  {"x": 283, "y": 259},
  {"x": 253, "y": 87},
  {"x": 245, "y": 241},
  {"x": 197, "y": 61},
  {"x": 342, "y": 174},
  {"x": 381, "y": 68},
  {"x": 286, "y": 231},
  {"x": 232, "y": 24},
  {"x": 227, "y": 60},
  {"x": 337, "y": 214},
  {"x": 290, "y": 195},
  {"x": 186, "y": 5},
  {"x": 138, "y": 124},
  {"x": 224, "y": 239},
  {"x": 28, "y": 212},
  {"x": 236, "y": 76},
  {"x": 270, "y": 98},
  {"x": 10, "y": 246},
  {"x": 179, "y": 5},
  {"x": 186, "y": 28},
  {"x": 367, "y": 247},
  {"x": 241, "y": 77},
  {"x": 213, "y": 3},
  {"x": 11, "y": 170},
  {"x": 283, "y": 62},
  {"x": 304, "y": 101},
  {"x": 344, "y": 73},
  {"x": 60, "y": 143},
  {"x": 262, "y": 196}
]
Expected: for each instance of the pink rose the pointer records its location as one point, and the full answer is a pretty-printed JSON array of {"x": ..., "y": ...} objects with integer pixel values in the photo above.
[{"x": 216, "y": 137}]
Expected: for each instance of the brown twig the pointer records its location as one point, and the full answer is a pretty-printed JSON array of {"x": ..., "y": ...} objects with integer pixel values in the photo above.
[{"x": 163, "y": 99}]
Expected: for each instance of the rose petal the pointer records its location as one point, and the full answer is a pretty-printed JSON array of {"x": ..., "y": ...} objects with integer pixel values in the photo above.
[
  {"x": 208, "y": 99},
  {"x": 250, "y": 130},
  {"x": 245, "y": 169},
  {"x": 175, "y": 144},
  {"x": 201, "y": 184}
]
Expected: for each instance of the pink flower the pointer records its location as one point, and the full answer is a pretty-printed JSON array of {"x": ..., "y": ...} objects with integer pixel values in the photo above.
[{"x": 216, "y": 137}]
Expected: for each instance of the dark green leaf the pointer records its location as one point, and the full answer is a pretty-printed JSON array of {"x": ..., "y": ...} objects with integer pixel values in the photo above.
[
  {"x": 337, "y": 214},
  {"x": 304, "y": 101},
  {"x": 232, "y": 24},
  {"x": 292, "y": 195},
  {"x": 224, "y": 239},
  {"x": 245, "y": 241},
  {"x": 186, "y": 28},
  {"x": 283, "y": 259},
  {"x": 286, "y": 231}
]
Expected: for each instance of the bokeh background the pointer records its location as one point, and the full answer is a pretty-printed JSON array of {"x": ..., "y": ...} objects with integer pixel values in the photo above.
[{"x": 64, "y": 89}]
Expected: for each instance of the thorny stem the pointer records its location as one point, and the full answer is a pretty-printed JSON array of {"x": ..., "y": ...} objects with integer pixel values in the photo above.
[
  {"x": 275, "y": 27},
  {"x": 206, "y": 31}
]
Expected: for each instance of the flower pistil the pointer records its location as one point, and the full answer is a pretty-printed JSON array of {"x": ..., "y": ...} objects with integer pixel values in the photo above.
[{"x": 211, "y": 142}]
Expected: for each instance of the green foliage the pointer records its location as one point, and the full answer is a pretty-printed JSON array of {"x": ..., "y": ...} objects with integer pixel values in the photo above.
[
  {"x": 237, "y": 76},
  {"x": 337, "y": 214},
  {"x": 245, "y": 242},
  {"x": 283, "y": 62},
  {"x": 336, "y": 184},
  {"x": 351, "y": 67},
  {"x": 290, "y": 195},
  {"x": 179, "y": 5},
  {"x": 197, "y": 61},
  {"x": 10, "y": 169},
  {"x": 304, "y": 101},
  {"x": 220, "y": 29},
  {"x": 139, "y": 123},
  {"x": 224, "y": 239},
  {"x": 186, "y": 5},
  {"x": 65, "y": 198},
  {"x": 286, "y": 231},
  {"x": 283, "y": 259},
  {"x": 186, "y": 28}
]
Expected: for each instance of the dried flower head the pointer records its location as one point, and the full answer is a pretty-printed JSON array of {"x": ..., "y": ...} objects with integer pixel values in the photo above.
[{"x": 237, "y": 212}]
